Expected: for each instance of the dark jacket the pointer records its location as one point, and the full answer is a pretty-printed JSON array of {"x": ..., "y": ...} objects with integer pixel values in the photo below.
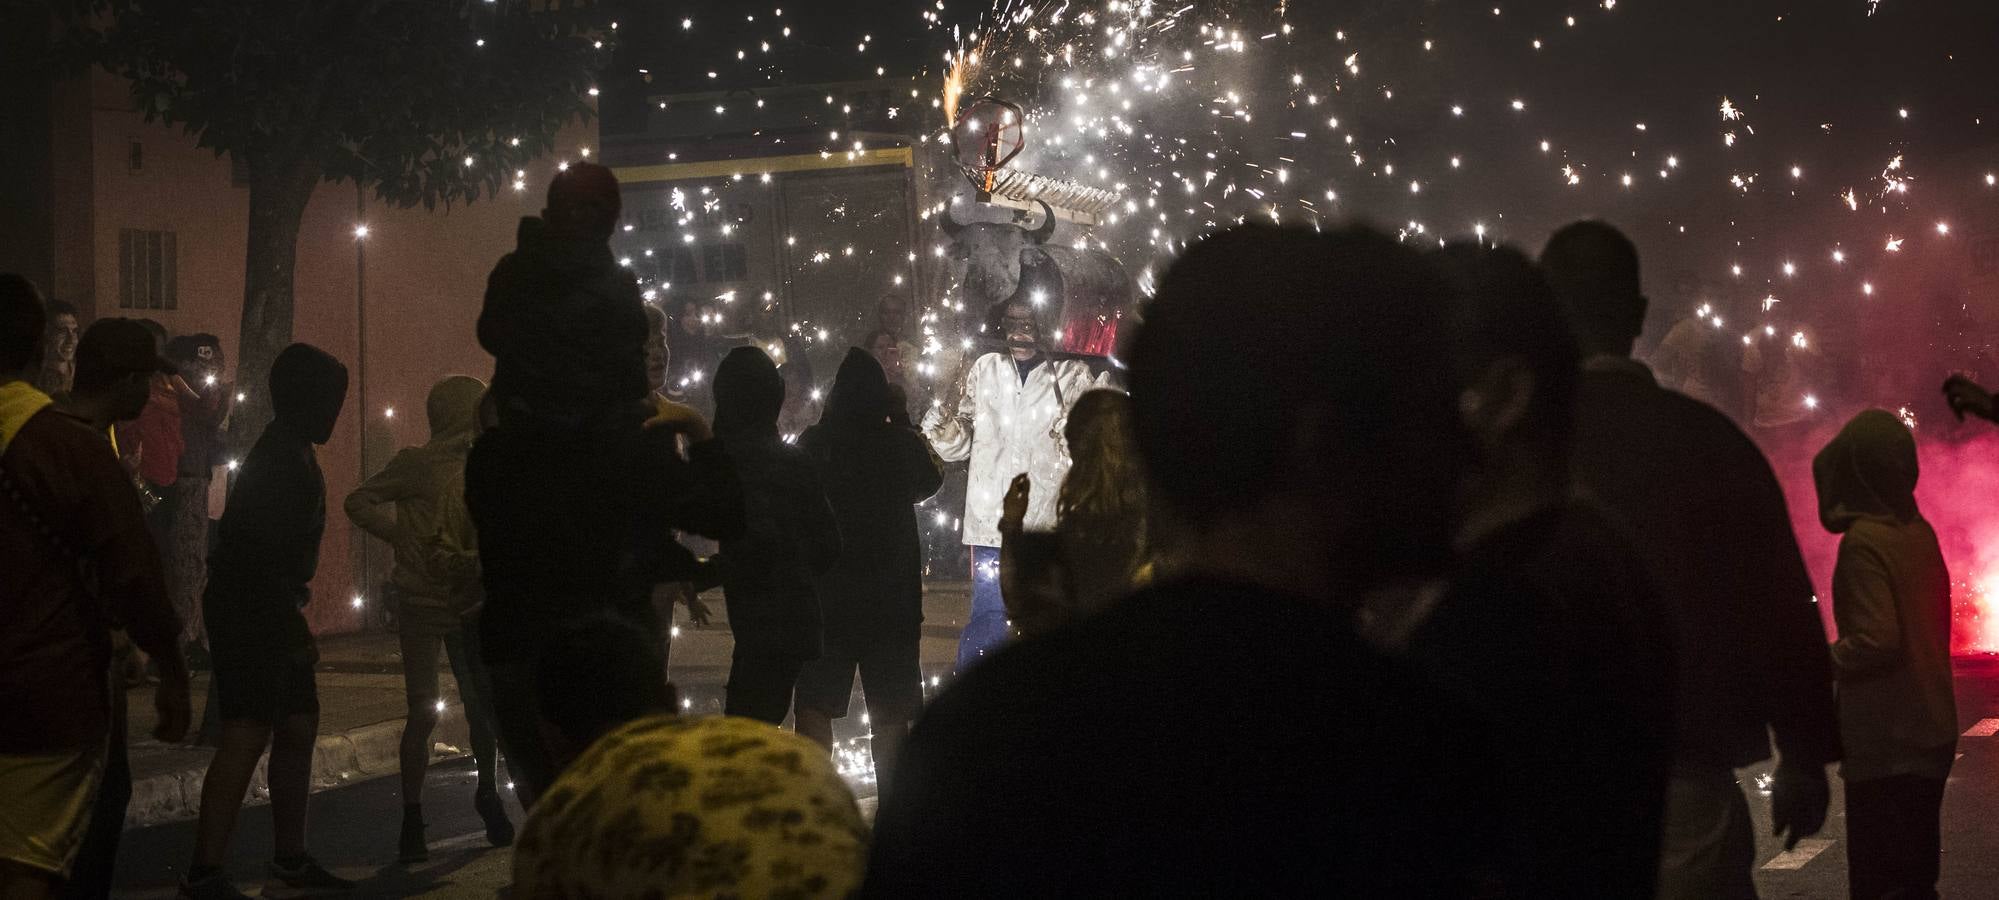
[
  {"x": 55, "y": 625},
  {"x": 561, "y": 515},
  {"x": 1201, "y": 738},
  {"x": 566, "y": 326},
  {"x": 1553, "y": 639},
  {"x": 1891, "y": 600},
  {"x": 1716, "y": 538},
  {"x": 267, "y": 544},
  {"x": 874, "y": 473},
  {"x": 790, "y": 536}
]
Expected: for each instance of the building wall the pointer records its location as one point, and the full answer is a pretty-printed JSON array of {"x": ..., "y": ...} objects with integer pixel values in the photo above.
[{"x": 425, "y": 276}]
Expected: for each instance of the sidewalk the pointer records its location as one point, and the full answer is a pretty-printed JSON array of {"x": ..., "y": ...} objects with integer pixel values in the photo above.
[{"x": 362, "y": 707}]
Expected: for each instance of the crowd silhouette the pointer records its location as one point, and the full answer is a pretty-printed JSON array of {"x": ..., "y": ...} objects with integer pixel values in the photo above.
[{"x": 1444, "y": 596}]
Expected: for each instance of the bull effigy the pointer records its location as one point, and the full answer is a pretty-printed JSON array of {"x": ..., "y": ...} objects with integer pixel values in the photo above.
[{"x": 1050, "y": 328}]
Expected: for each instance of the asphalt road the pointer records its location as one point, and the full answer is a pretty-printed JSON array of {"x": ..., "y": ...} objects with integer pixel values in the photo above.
[{"x": 355, "y": 830}]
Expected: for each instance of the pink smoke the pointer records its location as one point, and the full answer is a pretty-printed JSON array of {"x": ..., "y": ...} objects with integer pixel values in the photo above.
[{"x": 1958, "y": 493}]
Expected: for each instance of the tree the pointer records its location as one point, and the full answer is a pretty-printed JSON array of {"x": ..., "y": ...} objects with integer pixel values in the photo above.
[{"x": 424, "y": 101}]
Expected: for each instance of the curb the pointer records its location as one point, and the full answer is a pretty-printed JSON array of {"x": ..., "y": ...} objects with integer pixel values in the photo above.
[{"x": 359, "y": 753}]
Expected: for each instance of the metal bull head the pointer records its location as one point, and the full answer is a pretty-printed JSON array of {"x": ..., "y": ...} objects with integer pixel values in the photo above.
[
  {"x": 1079, "y": 295},
  {"x": 985, "y": 256}
]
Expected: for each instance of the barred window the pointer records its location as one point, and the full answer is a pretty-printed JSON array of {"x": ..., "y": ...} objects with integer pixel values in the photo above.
[{"x": 148, "y": 269}]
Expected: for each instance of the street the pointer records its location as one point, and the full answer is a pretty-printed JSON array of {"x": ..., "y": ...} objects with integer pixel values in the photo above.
[{"x": 354, "y": 829}]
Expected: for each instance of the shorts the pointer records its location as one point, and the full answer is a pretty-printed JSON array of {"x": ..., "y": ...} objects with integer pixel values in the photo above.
[
  {"x": 267, "y": 693},
  {"x": 891, "y": 675},
  {"x": 47, "y": 811}
]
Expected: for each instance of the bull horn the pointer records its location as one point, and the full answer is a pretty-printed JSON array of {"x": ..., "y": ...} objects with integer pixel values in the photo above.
[
  {"x": 950, "y": 224},
  {"x": 1046, "y": 230}
]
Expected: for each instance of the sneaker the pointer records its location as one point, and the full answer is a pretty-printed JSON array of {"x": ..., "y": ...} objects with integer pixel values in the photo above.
[
  {"x": 307, "y": 879},
  {"x": 499, "y": 829},
  {"x": 214, "y": 887},
  {"x": 410, "y": 848}
]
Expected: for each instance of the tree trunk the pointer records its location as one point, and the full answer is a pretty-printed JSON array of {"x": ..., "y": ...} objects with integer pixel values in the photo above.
[{"x": 280, "y": 188}]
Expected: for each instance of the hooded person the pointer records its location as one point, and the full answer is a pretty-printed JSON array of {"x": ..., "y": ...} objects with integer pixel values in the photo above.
[
  {"x": 790, "y": 539},
  {"x": 1891, "y": 661},
  {"x": 416, "y": 503},
  {"x": 259, "y": 582},
  {"x": 874, "y": 472},
  {"x": 1008, "y": 420},
  {"x": 564, "y": 322}
]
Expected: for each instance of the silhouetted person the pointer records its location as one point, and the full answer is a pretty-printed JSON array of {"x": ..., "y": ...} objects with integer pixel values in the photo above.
[
  {"x": 1100, "y": 549},
  {"x": 416, "y": 504},
  {"x": 789, "y": 539},
  {"x": 259, "y": 581},
  {"x": 575, "y": 490},
  {"x": 115, "y": 366},
  {"x": 1550, "y": 633},
  {"x": 1897, "y": 705},
  {"x": 1719, "y": 547},
  {"x": 563, "y": 320},
  {"x": 1226, "y": 732},
  {"x": 597, "y": 674},
  {"x": 202, "y": 414},
  {"x": 875, "y": 468},
  {"x": 64, "y": 500}
]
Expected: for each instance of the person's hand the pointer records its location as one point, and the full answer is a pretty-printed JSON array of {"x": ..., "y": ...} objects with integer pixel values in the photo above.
[
  {"x": 1798, "y": 802},
  {"x": 1013, "y": 510},
  {"x": 680, "y": 418},
  {"x": 171, "y": 703},
  {"x": 697, "y": 611},
  {"x": 1965, "y": 396}
]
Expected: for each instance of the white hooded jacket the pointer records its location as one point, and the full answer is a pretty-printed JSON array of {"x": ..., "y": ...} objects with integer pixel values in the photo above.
[{"x": 1006, "y": 426}]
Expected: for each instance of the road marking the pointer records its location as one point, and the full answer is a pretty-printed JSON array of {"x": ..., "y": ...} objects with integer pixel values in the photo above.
[
  {"x": 1984, "y": 728},
  {"x": 1795, "y": 858}
]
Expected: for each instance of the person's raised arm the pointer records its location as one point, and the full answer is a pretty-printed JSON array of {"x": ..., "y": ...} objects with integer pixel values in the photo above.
[
  {"x": 949, "y": 426},
  {"x": 1965, "y": 396}
]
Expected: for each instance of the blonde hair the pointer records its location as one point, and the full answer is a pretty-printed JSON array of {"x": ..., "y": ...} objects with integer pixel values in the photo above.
[{"x": 1104, "y": 494}]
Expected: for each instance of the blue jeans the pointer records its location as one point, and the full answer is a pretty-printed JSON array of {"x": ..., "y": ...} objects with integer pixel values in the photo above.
[{"x": 987, "y": 627}]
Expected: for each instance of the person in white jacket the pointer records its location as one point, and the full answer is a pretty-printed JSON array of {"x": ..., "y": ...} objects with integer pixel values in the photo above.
[{"x": 1007, "y": 420}]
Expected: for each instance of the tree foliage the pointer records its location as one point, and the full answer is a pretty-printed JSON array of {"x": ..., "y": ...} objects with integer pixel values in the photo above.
[{"x": 394, "y": 94}]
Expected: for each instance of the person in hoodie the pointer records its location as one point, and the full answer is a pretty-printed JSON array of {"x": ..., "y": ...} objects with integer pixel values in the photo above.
[
  {"x": 417, "y": 504},
  {"x": 767, "y": 573},
  {"x": 564, "y": 322},
  {"x": 875, "y": 467},
  {"x": 1891, "y": 662},
  {"x": 259, "y": 582}
]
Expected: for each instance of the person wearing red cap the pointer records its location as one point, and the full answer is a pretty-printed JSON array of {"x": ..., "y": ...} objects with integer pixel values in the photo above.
[{"x": 65, "y": 501}]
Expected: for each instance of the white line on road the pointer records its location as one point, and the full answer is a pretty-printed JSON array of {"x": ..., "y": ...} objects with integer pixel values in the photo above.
[
  {"x": 1984, "y": 728},
  {"x": 1796, "y": 857}
]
